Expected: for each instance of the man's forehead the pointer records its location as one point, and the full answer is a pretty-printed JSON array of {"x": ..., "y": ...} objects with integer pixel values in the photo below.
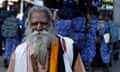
[{"x": 39, "y": 16}]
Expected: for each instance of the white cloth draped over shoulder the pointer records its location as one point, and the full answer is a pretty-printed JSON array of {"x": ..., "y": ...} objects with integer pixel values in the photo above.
[
  {"x": 68, "y": 54},
  {"x": 21, "y": 58}
]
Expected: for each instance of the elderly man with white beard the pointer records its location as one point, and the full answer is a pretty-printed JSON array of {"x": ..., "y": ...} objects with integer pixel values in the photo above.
[{"x": 42, "y": 50}]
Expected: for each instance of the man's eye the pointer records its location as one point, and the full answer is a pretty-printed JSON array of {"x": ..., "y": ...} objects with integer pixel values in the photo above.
[
  {"x": 35, "y": 23},
  {"x": 44, "y": 23}
]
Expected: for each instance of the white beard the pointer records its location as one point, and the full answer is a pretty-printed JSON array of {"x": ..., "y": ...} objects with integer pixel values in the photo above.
[{"x": 40, "y": 42}]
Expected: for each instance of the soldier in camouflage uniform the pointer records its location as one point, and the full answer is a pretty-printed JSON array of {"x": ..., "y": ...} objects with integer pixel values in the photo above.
[
  {"x": 3, "y": 15},
  {"x": 9, "y": 32}
]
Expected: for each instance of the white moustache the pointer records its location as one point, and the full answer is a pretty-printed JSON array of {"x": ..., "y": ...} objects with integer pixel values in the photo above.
[{"x": 43, "y": 32}]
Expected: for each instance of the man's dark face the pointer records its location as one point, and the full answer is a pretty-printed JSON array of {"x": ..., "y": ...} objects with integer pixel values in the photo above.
[
  {"x": 106, "y": 18},
  {"x": 39, "y": 21}
]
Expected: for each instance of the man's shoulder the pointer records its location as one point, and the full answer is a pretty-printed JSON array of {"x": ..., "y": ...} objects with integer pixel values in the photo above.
[
  {"x": 65, "y": 38},
  {"x": 21, "y": 46},
  {"x": 68, "y": 39}
]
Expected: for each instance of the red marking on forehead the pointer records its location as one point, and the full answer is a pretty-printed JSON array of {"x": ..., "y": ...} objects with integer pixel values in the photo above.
[{"x": 38, "y": 17}]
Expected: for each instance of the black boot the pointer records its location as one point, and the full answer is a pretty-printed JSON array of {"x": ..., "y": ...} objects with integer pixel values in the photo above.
[
  {"x": 116, "y": 56},
  {"x": 6, "y": 63},
  {"x": 106, "y": 68},
  {"x": 89, "y": 68}
]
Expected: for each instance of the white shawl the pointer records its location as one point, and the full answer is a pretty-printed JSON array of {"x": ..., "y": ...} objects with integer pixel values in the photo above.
[
  {"x": 21, "y": 59},
  {"x": 68, "y": 54}
]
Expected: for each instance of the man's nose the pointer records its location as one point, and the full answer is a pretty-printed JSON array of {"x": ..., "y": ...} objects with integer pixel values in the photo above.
[{"x": 39, "y": 27}]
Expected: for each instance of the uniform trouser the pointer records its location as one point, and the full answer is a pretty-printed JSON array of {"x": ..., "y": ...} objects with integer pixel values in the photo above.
[
  {"x": 10, "y": 45},
  {"x": 0, "y": 40},
  {"x": 0, "y": 45},
  {"x": 97, "y": 60}
]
